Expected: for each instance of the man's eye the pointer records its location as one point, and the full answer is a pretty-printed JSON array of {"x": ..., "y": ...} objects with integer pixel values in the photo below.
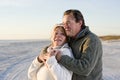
[{"x": 67, "y": 23}]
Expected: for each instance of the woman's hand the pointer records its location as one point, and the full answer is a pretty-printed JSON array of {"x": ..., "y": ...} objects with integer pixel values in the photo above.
[
  {"x": 51, "y": 53},
  {"x": 42, "y": 58}
]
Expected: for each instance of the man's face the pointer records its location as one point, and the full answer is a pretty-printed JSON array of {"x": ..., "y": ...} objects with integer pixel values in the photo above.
[{"x": 72, "y": 28}]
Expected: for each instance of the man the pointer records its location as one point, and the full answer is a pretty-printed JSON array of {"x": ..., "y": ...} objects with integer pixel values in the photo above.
[{"x": 86, "y": 47}]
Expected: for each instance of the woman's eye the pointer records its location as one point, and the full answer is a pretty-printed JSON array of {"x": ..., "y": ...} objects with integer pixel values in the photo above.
[
  {"x": 56, "y": 33},
  {"x": 62, "y": 33}
]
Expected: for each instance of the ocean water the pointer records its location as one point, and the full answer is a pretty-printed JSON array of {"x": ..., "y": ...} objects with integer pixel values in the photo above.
[{"x": 17, "y": 55}]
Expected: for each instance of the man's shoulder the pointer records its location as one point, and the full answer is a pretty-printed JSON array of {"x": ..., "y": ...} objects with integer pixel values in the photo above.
[{"x": 93, "y": 36}]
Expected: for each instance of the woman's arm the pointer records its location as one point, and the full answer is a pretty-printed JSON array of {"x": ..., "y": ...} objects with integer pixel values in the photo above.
[
  {"x": 37, "y": 63},
  {"x": 58, "y": 71},
  {"x": 33, "y": 69}
]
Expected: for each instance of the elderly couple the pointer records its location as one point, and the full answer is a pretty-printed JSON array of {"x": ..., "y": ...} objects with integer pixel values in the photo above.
[{"x": 75, "y": 53}]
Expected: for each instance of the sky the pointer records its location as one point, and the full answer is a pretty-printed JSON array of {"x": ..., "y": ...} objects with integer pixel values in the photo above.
[{"x": 34, "y": 19}]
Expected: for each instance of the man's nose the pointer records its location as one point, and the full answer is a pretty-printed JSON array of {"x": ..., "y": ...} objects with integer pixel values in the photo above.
[{"x": 66, "y": 25}]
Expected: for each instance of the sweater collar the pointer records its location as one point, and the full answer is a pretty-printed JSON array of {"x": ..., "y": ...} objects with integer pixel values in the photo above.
[{"x": 83, "y": 32}]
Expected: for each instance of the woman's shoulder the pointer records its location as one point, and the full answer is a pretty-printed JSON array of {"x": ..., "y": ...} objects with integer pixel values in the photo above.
[
  {"x": 66, "y": 45},
  {"x": 66, "y": 50}
]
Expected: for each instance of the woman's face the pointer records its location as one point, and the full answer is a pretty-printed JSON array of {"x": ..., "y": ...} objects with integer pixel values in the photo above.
[{"x": 58, "y": 37}]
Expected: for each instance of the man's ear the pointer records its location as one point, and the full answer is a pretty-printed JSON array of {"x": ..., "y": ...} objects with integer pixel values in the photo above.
[{"x": 80, "y": 22}]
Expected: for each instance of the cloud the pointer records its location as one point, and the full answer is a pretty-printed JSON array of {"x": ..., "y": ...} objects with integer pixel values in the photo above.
[{"x": 17, "y": 3}]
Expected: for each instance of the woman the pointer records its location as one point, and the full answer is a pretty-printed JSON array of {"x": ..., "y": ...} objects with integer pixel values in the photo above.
[{"x": 47, "y": 67}]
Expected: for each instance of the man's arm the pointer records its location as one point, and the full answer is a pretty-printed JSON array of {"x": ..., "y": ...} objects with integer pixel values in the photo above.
[{"x": 86, "y": 63}]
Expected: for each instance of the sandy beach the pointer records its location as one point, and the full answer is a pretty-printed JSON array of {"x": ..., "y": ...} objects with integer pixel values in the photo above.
[{"x": 17, "y": 55}]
